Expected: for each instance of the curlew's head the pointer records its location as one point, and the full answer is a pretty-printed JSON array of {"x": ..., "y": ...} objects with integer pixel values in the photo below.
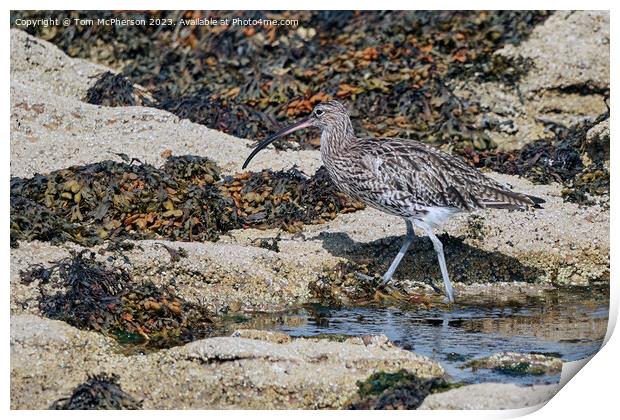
[
  {"x": 329, "y": 114},
  {"x": 326, "y": 115}
]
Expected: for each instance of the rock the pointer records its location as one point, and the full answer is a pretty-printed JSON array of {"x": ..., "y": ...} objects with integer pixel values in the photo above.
[
  {"x": 271, "y": 336},
  {"x": 221, "y": 372},
  {"x": 33, "y": 331},
  {"x": 374, "y": 340},
  {"x": 570, "y": 50},
  {"x": 517, "y": 364},
  {"x": 51, "y": 132},
  {"x": 490, "y": 396},
  {"x": 567, "y": 81},
  {"x": 39, "y": 63},
  {"x": 254, "y": 280},
  {"x": 49, "y": 358},
  {"x": 51, "y": 128}
]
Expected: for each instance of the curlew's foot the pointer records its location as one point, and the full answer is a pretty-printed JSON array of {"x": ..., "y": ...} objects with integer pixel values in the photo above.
[
  {"x": 449, "y": 295},
  {"x": 388, "y": 293}
]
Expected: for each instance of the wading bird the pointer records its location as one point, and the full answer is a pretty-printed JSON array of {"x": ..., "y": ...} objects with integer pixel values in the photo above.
[{"x": 406, "y": 178}]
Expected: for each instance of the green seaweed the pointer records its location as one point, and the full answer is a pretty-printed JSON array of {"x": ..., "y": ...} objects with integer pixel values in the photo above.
[
  {"x": 518, "y": 369},
  {"x": 396, "y": 390},
  {"x": 515, "y": 364},
  {"x": 456, "y": 357},
  {"x": 339, "y": 338},
  {"x": 442, "y": 385},
  {"x": 378, "y": 382}
]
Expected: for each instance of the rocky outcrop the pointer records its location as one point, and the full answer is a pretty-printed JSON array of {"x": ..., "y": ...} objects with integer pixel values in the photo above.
[
  {"x": 49, "y": 358},
  {"x": 567, "y": 78},
  {"x": 36, "y": 62},
  {"x": 490, "y": 396},
  {"x": 517, "y": 364},
  {"x": 569, "y": 52}
]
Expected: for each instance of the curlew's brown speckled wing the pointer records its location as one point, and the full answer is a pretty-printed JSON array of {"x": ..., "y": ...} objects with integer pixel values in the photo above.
[{"x": 405, "y": 175}]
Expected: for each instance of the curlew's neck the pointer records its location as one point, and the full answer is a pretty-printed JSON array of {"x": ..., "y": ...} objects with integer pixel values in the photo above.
[{"x": 336, "y": 136}]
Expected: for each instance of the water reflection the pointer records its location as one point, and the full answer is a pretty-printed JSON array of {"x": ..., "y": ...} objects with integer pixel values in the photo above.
[{"x": 571, "y": 329}]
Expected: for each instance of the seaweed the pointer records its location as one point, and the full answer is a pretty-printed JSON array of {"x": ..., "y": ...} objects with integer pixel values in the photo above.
[
  {"x": 88, "y": 204},
  {"x": 556, "y": 159},
  {"x": 342, "y": 286},
  {"x": 268, "y": 243},
  {"x": 99, "y": 392},
  {"x": 392, "y": 66},
  {"x": 185, "y": 200},
  {"x": 401, "y": 390},
  {"x": 498, "y": 68},
  {"x": 115, "y": 90},
  {"x": 456, "y": 357},
  {"x": 286, "y": 199},
  {"x": 88, "y": 295},
  {"x": 518, "y": 369}
]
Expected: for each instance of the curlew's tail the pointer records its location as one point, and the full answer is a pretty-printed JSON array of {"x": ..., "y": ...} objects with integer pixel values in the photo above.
[{"x": 510, "y": 200}]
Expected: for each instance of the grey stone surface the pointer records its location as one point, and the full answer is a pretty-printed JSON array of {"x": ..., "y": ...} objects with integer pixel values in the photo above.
[
  {"x": 571, "y": 49},
  {"x": 49, "y": 359},
  {"x": 37, "y": 62},
  {"x": 519, "y": 363},
  {"x": 490, "y": 396}
]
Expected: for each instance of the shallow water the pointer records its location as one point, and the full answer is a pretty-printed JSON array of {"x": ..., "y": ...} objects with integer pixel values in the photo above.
[{"x": 570, "y": 327}]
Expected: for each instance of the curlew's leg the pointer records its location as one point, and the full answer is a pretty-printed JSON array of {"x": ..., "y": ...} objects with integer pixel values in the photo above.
[
  {"x": 403, "y": 249},
  {"x": 442, "y": 261}
]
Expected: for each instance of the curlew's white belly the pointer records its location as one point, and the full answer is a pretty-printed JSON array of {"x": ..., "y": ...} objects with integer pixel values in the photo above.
[{"x": 436, "y": 216}]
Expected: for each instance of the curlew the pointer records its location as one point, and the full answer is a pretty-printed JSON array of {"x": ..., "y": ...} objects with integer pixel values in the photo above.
[{"x": 402, "y": 177}]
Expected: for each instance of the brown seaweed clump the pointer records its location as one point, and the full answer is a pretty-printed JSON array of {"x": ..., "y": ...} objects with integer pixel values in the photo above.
[
  {"x": 286, "y": 199},
  {"x": 108, "y": 200},
  {"x": 99, "y": 392},
  {"x": 86, "y": 294},
  {"x": 115, "y": 90},
  {"x": 185, "y": 200},
  {"x": 393, "y": 66},
  {"x": 209, "y": 109},
  {"x": 343, "y": 287}
]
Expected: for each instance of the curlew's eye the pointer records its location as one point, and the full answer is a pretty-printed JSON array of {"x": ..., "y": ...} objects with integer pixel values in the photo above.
[{"x": 319, "y": 112}]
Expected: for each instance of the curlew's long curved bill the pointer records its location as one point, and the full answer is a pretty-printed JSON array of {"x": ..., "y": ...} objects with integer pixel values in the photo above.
[{"x": 303, "y": 123}]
